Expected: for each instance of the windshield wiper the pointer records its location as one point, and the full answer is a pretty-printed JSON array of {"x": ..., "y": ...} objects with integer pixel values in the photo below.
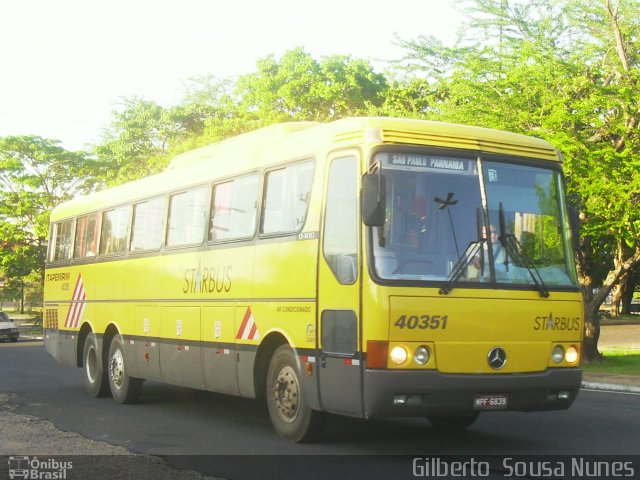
[
  {"x": 473, "y": 251},
  {"x": 514, "y": 250},
  {"x": 459, "y": 269}
]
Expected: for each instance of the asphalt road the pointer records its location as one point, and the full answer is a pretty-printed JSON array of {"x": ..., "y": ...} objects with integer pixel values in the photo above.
[{"x": 232, "y": 438}]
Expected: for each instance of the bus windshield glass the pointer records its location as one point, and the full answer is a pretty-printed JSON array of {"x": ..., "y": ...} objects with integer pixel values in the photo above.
[{"x": 438, "y": 228}]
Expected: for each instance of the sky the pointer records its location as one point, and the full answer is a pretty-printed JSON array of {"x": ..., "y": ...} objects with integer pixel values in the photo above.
[{"x": 65, "y": 65}]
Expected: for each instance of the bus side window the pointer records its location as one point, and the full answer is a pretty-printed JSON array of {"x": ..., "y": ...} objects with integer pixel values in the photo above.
[
  {"x": 148, "y": 221},
  {"x": 340, "y": 241},
  {"x": 61, "y": 237},
  {"x": 87, "y": 233},
  {"x": 115, "y": 228},
  {"x": 233, "y": 209},
  {"x": 286, "y": 198},
  {"x": 187, "y": 216}
]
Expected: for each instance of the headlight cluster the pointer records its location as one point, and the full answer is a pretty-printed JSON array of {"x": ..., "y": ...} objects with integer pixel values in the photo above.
[
  {"x": 567, "y": 354},
  {"x": 400, "y": 355}
]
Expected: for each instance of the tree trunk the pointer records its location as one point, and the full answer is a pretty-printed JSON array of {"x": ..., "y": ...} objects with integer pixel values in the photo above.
[
  {"x": 627, "y": 295},
  {"x": 593, "y": 301},
  {"x": 617, "y": 297},
  {"x": 591, "y": 324},
  {"x": 591, "y": 318},
  {"x": 622, "y": 252},
  {"x": 22, "y": 297}
]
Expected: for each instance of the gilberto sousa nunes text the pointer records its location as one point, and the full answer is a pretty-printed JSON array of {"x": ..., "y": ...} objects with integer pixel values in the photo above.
[{"x": 525, "y": 467}]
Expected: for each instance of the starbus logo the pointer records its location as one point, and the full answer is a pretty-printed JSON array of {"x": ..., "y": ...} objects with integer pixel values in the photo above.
[
  {"x": 551, "y": 322},
  {"x": 36, "y": 469}
]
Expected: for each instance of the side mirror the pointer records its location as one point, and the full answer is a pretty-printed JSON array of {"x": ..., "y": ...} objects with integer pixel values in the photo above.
[{"x": 373, "y": 201}]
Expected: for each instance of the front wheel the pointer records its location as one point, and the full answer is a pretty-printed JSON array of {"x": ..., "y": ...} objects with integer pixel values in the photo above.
[
  {"x": 291, "y": 418},
  {"x": 95, "y": 377},
  {"x": 124, "y": 389},
  {"x": 450, "y": 423}
]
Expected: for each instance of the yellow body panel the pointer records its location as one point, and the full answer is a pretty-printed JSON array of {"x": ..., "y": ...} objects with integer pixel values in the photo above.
[{"x": 189, "y": 309}]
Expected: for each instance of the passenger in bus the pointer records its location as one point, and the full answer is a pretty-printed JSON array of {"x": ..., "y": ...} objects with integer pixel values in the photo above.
[
  {"x": 497, "y": 247},
  {"x": 412, "y": 257},
  {"x": 479, "y": 267}
]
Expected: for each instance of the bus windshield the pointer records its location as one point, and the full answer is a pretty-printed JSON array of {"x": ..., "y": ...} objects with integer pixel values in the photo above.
[{"x": 438, "y": 227}]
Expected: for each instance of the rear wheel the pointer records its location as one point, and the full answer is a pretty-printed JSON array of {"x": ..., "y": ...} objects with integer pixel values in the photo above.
[
  {"x": 291, "y": 418},
  {"x": 449, "y": 423},
  {"x": 124, "y": 389},
  {"x": 95, "y": 378}
]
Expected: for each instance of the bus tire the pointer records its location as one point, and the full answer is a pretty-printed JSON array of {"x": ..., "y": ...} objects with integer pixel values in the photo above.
[
  {"x": 451, "y": 423},
  {"x": 95, "y": 376},
  {"x": 124, "y": 389},
  {"x": 291, "y": 418}
]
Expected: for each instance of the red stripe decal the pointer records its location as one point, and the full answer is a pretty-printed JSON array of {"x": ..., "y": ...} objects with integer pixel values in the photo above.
[{"x": 245, "y": 320}]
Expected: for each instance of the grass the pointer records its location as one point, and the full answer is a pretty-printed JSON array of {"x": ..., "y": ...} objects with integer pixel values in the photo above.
[{"x": 616, "y": 362}]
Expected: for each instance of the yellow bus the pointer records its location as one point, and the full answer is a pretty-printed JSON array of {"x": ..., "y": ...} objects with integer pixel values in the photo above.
[{"x": 368, "y": 267}]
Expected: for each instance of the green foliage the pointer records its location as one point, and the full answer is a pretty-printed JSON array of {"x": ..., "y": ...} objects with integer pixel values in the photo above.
[
  {"x": 298, "y": 87},
  {"x": 406, "y": 98},
  {"x": 138, "y": 141},
  {"x": 35, "y": 175}
]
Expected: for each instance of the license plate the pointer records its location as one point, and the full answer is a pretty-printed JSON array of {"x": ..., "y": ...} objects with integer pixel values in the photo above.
[{"x": 491, "y": 402}]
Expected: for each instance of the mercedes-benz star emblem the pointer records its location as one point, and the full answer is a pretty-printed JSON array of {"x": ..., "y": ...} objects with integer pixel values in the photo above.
[{"x": 497, "y": 358}]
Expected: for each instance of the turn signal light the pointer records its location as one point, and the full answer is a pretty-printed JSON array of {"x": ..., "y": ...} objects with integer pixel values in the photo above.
[{"x": 377, "y": 354}]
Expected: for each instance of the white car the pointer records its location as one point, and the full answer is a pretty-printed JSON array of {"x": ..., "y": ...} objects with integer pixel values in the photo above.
[{"x": 8, "y": 329}]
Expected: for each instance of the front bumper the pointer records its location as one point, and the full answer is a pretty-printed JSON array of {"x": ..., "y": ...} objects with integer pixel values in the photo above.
[
  {"x": 9, "y": 333},
  {"x": 434, "y": 393}
]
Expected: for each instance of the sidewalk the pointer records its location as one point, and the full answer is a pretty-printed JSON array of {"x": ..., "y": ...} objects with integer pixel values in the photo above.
[{"x": 612, "y": 383}]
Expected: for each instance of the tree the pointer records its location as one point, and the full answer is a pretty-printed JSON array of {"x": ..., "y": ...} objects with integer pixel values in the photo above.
[
  {"x": 405, "y": 98},
  {"x": 142, "y": 134},
  {"x": 566, "y": 71},
  {"x": 300, "y": 88},
  {"x": 35, "y": 175}
]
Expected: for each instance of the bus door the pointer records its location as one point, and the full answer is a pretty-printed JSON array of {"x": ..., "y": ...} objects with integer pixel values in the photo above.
[{"x": 338, "y": 356}]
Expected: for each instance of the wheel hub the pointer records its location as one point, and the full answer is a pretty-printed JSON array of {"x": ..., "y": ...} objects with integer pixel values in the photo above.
[
  {"x": 116, "y": 369},
  {"x": 286, "y": 393}
]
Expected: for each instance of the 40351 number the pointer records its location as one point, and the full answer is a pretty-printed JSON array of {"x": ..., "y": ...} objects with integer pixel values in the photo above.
[{"x": 422, "y": 322}]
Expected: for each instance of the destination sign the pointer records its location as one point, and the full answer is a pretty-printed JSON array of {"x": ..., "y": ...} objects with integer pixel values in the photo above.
[{"x": 417, "y": 162}]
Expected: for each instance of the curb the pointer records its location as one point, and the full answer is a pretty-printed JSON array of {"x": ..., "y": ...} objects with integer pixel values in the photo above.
[{"x": 609, "y": 387}]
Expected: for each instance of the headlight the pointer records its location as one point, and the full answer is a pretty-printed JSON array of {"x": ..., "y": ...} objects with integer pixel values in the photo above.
[
  {"x": 422, "y": 355},
  {"x": 399, "y": 355},
  {"x": 558, "y": 354},
  {"x": 572, "y": 355}
]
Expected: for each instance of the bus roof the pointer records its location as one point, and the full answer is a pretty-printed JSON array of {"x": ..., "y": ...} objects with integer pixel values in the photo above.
[{"x": 276, "y": 143}]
